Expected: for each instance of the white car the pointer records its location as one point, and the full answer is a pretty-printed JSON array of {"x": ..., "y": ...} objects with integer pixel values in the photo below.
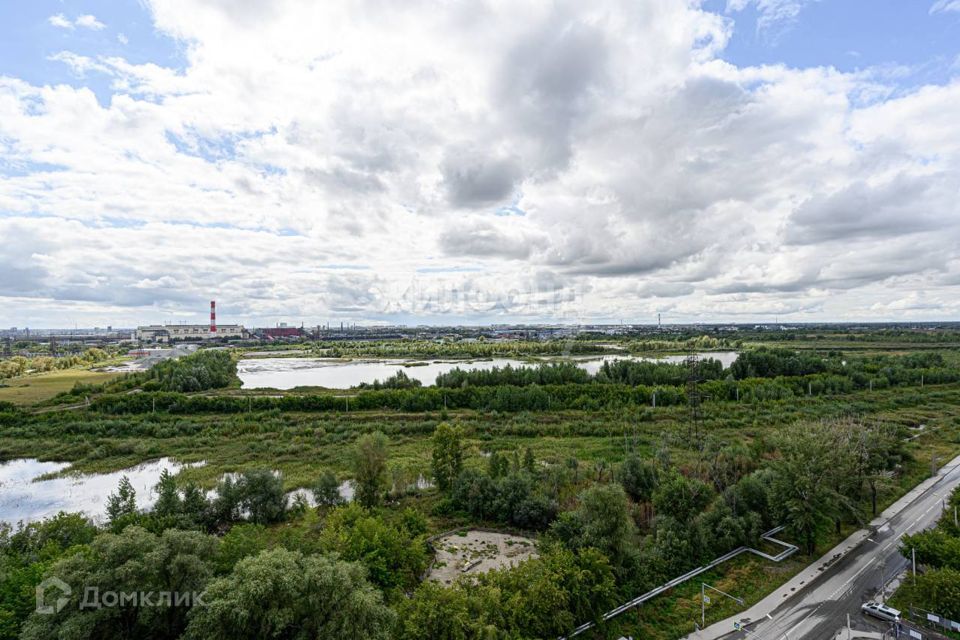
[{"x": 880, "y": 610}]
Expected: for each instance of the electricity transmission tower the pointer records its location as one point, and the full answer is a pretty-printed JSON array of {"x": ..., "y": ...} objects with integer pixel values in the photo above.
[{"x": 694, "y": 401}]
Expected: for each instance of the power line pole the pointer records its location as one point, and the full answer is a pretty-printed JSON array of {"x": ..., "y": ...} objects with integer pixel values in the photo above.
[{"x": 694, "y": 397}]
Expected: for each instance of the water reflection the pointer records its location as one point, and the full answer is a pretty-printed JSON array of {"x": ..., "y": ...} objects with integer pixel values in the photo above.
[
  {"x": 24, "y": 497},
  {"x": 287, "y": 373}
]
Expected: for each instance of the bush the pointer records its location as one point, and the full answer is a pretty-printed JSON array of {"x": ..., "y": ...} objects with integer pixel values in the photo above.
[{"x": 512, "y": 499}]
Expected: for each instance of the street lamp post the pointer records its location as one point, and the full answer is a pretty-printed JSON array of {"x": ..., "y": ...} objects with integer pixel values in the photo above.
[
  {"x": 883, "y": 582},
  {"x": 704, "y": 599}
]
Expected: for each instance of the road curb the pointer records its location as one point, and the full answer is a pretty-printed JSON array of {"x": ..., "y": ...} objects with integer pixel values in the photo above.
[{"x": 810, "y": 574}]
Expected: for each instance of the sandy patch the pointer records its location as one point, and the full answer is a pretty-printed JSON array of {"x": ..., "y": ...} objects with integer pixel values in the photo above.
[{"x": 475, "y": 552}]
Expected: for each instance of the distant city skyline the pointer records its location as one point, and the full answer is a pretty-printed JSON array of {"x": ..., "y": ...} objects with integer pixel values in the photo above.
[{"x": 479, "y": 162}]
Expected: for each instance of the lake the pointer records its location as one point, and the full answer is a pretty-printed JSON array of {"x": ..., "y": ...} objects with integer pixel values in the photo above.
[
  {"x": 287, "y": 373},
  {"x": 24, "y": 497}
]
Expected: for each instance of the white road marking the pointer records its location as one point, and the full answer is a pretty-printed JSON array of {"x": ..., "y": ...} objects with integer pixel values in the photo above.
[{"x": 842, "y": 589}]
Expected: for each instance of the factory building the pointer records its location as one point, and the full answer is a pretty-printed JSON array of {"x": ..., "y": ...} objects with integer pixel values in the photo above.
[
  {"x": 279, "y": 333},
  {"x": 181, "y": 332}
]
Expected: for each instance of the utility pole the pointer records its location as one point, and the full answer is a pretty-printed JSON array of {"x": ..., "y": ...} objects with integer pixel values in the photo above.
[
  {"x": 883, "y": 583},
  {"x": 913, "y": 557}
]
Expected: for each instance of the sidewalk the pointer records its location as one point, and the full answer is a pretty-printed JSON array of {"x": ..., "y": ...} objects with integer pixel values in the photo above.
[{"x": 813, "y": 571}]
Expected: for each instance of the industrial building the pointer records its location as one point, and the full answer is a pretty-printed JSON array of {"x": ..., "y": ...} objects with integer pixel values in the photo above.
[
  {"x": 185, "y": 332},
  {"x": 180, "y": 332},
  {"x": 280, "y": 333}
]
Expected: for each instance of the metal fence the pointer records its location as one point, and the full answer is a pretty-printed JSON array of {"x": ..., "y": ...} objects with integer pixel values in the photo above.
[
  {"x": 788, "y": 551},
  {"x": 932, "y": 620}
]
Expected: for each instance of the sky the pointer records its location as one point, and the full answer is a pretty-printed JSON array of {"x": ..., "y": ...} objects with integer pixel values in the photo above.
[{"x": 483, "y": 161}]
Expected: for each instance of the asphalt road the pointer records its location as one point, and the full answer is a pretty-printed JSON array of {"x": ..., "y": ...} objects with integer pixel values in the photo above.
[{"x": 821, "y": 609}]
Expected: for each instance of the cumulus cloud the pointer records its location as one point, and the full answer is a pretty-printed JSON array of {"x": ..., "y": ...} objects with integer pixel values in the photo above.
[
  {"x": 88, "y": 21},
  {"x": 85, "y": 21},
  {"x": 315, "y": 159},
  {"x": 60, "y": 20},
  {"x": 472, "y": 180},
  {"x": 896, "y": 207}
]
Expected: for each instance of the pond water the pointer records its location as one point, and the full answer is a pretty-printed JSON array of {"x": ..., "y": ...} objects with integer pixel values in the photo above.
[
  {"x": 287, "y": 373},
  {"x": 23, "y": 496},
  {"x": 347, "y": 491}
]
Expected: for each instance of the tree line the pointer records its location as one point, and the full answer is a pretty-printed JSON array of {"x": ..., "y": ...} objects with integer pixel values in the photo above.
[
  {"x": 204, "y": 370},
  {"x": 19, "y": 365},
  {"x": 937, "y": 552}
]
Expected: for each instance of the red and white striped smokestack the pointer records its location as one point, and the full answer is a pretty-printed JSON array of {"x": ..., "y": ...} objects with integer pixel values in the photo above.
[{"x": 213, "y": 317}]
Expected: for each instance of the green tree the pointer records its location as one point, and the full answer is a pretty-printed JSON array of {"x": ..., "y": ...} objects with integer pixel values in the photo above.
[
  {"x": 392, "y": 556},
  {"x": 370, "y": 468},
  {"x": 439, "y": 613},
  {"x": 26, "y": 554},
  {"x": 879, "y": 451},
  {"x": 601, "y": 520},
  {"x": 262, "y": 496},
  {"x": 681, "y": 498},
  {"x": 195, "y": 505},
  {"x": 679, "y": 546},
  {"x": 134, "y": 561},
  {"x": 937, "y": 589},
  {"x": 241, "y": 541},
  {"x": 284, "y": 594},
  {"x": 447, "y": 455},
  {"x": 123, "y": 503},
  {"x": 326, "y": 491},
  {"x": 809, "y": 477},
  {"x": 638, "y": 477},
  {"x": 18, "y": 580},
  {"x": 529, "y": 462},
  {"x": 727, "y": 463},
  {"x": 498, "y": 465},
  {"x": 934, "y": 547},
  {"x": 540, "y": 598},
  {"x": 226, "y": 506},
  {"x": 168, "y": 498}
]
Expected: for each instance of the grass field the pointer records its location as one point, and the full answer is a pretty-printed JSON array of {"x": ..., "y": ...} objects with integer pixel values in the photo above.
[
  {"x": 301, "y": 445},
  {"x": 37, "y": 388}
]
